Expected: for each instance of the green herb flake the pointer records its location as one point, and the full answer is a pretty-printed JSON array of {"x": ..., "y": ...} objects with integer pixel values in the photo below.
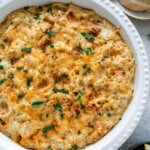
[
  {"x": 50, "y": 10},
  {"x": 37, "y": 104},
  {"x": 1, "y": 67},
  {"x": 11, "y": 60},
  {"x": 49, "y": 148},
  {"x": 129, "y": 69},
  {"x": 79, "y": 132},
  {"x": 76, "y": 117},
  {"x": 26, "y": 8},
  {"x": 61, "y": 91},
  {"x": 98, "y": 21},
  {"x": 76, "y": 93},
  {"x": 50, "y": 33},
  {"x": 51, "y": 45},
  {"x": 19, "y": 68},
  {"x": 54, "y": 57},
  {"x": 0, "y": 60},
  {"x": 26, "y": 49},
  {"x": 20, "y": 96},
  {"x": 62, "y": 75},
  {"x": 99, "y": 63},
  {"x": 109, "y": 115},
  {"x": 5, "y": 40},
  {"x": 43, "y": 81},
  {"x": 36, "y": 18},
  {"x": 85, "y": 66},
  {"x": 91, "y": 126},
  {"x": 44, "y": 49},
  {"x": 29, "y": 80},
  {"x": 58, "y": 105},
  {"x": 3, "y": 46},
  {"x": 79, "y": 97},
  {"x": 82, "y": 105},
  {"x": 56, "y": 81},
  {"x": 2, "y": 80},
  {"x": 87, "y": 36},
  {"x": 25, "y": 71},
  {"x": 11, "y": 75},
  {"x": 100, "y": 114},
  {"x": 48, "y": 128},
  {"x": 105, "y": 42}
]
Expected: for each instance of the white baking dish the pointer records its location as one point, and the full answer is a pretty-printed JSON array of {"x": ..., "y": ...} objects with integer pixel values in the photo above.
[{"x": 119, "y": 134}]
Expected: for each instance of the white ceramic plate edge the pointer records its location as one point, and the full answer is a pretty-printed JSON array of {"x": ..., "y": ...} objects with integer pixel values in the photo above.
[{"x": 112, "y": 140}]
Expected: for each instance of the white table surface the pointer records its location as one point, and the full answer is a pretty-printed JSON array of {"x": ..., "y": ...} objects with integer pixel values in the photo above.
[{"x": 142, "y": 132}]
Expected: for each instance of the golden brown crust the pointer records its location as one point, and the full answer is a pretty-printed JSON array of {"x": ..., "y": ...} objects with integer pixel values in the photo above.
[{"x": 66, "y": 76}]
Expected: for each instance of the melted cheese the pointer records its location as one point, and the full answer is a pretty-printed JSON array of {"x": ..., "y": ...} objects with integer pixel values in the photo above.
[{"x": 66, "y": 70}]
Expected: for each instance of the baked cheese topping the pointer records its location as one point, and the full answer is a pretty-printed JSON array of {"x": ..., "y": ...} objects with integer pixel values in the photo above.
[{"x": 66, "y": 77}]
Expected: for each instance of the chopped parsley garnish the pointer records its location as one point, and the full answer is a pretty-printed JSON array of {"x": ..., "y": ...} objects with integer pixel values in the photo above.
[
  {"x": 51, "y": 45},
  {"x": 79, "y": 47},
  {"x": 20, "y": 96},
  {"x": 25, "y": 71},
  {"x": 54, "y": 57},
  {"x": 99, "y": 63},
  {"x": 85, "y": 66},
  {"x": 29, "y": 80},
  {"x": 3, "y": 46},
  {"x": 0, "y": 60},
  {"x": 26, "y": 8},
  {"x": 76, "y": 93},
  {"x": 109, "y": 115},
  {"x": 60, "y": 90},
  {"x": 2, "y": 80},
  {"x": 86, "y": 69},
  {"x": 1, "y": 67},
  {"x": 87, "y": 36},
  {"x": 50, "y": 10},
  {"x": 86, "y": 51},
  {"x": 129, "y": 69},
  {"x": 36, "y": 18},
  {"x": 59, "y": 107},
  {"x": 79, "y": 132},
  {"x": 49, "y": 148},
  {"x": 98, "y": 21},
  {"x": 50, "y": 33},
  {"x": 100, "y": 114},
  {"x": 44, "y": 49},
  {"x": 82, "y": 105},
  {"x": 91, "y": 126},
  {"x": 62, "y": 75},
  {"x": 48, "y": 128},
  {"x": 105, "y": 42},
  {"x": 37, "y": 104},
  {"x": 19, "y": 68},
  {"x": 26, "y": 49},
  {"x": 76, "y": 116},
  {"x": 67, "y": 40},
  {"x": 11, "y": 75},
  {"x": 5, "y": 40},
  {"x": 79, "y": 97},
  {"x": 43, "y": 80},
  {"x": 11, "y": 60}
]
